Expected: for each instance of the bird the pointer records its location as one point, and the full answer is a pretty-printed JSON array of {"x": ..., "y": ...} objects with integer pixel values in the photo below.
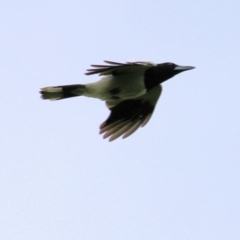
[{"x": 131, "y": 91}]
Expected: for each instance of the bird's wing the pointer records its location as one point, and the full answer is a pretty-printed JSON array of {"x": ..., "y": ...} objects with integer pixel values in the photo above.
[
  {"x": 127, "y": 116},
  {"x": 115, "y": 68}
]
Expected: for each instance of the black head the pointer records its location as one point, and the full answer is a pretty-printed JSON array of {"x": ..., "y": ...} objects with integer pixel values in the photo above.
[
  {"x": 168, "y": 70},
  {"x": 162, "y": 72}
]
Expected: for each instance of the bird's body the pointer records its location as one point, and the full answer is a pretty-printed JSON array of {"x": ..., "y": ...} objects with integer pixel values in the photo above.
[
  {"x": 131, "y": 91},
  {"x": 116, "y": 87}
]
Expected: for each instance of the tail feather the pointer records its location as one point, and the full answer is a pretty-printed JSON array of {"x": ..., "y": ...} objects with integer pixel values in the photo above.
[{"x": 62, "y": 92}]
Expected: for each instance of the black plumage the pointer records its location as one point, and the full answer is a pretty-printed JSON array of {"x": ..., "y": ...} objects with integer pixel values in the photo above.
[{"x": 131, "y": 91}]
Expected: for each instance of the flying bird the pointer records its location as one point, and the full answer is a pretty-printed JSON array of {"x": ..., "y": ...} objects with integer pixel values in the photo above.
[{"x": 131, "y": 91}]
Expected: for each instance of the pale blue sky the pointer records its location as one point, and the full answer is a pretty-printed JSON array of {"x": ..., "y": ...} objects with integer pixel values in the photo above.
[{"x": 176, "y": 178}]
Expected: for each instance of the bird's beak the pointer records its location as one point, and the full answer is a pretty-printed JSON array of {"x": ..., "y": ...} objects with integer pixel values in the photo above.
[{"x": 183, "y": 68}]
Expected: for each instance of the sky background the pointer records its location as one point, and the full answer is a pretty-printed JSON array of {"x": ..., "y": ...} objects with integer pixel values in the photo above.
[{"x": 176, "y": 178}]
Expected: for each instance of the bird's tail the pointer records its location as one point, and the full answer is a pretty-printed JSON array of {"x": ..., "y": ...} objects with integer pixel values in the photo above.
[{"x": 62, "y": 92}]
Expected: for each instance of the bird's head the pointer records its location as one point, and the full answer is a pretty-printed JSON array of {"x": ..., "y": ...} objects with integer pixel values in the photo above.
[
  {"x": 168, "y": 70},
  {"x": 159, "y": 73}
]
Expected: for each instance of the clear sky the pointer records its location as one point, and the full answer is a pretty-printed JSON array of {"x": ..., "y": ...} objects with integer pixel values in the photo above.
[{"x": 176, "y": 178}]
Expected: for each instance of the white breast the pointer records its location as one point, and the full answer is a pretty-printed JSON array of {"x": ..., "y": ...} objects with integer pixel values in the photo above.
[{"x": 129, "y": 85}]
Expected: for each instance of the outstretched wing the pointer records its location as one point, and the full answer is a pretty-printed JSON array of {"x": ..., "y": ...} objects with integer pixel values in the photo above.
[
  {"x": 127, "y": 116},
  {"x": 115, "y": 68}
]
